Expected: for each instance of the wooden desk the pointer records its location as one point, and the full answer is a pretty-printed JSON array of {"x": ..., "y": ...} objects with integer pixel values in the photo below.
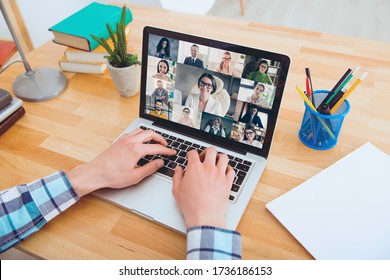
[{"x": 78, "y": 125}]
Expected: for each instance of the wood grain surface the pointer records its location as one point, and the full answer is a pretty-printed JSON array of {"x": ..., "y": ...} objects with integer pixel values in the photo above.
[{"x": 90, "y": 114}]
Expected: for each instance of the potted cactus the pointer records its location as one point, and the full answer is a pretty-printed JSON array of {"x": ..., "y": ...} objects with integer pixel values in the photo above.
[{"x": 124, "y": 68}]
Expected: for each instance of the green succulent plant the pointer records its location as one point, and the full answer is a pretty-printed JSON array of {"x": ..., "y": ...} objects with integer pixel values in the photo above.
[{"x": 118, "y": 56}]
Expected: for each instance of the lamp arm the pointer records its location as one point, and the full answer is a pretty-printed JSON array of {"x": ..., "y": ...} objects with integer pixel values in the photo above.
[{"x": 29, "y": 71}]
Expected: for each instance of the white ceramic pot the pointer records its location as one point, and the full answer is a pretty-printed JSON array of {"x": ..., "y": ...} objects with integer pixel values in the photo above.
[{"x": 127, "y": 79}]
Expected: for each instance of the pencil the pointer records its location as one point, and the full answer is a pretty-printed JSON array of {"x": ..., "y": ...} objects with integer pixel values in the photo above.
[
  {"x": 343, "y": 84},
  {"x": 349, "y": 91},
  {"x": 307, "y": 101},
  {"x": 309, "y": 95},
  {"x": 325, "y": 101}
]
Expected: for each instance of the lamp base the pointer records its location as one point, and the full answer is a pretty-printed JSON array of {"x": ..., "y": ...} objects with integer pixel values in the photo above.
[{"x": 40, "y": 85}]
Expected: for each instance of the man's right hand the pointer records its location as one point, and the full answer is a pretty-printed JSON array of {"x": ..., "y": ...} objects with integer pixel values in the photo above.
[{"x": 202, "y": 193}]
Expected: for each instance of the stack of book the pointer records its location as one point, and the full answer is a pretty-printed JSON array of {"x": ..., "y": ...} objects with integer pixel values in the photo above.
[
  {"x": 11, "y": 110},
  {"x": 83, "y": 54}
]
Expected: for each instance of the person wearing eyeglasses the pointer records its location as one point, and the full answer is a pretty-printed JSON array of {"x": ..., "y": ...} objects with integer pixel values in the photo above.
[
  {"x": 261, "y": 75},
  {"x": 185, "y": 118},
  {"x": 250, "y": 136},
  {"x": 204, "y": 101},
  {"x": 224, "y": 67},
  {"x": 251, "y": 117},
  {"x": 215, "y": 128},
  {"x": 257, "y": 97}
]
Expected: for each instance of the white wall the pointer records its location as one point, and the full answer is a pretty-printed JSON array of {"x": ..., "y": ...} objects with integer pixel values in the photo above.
[
  {"x": 358, "y": 18},
  {"x": 40, "y": 15}
]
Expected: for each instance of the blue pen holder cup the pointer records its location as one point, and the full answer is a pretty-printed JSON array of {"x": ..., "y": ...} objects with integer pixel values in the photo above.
[{"x": 321, "y": 131}]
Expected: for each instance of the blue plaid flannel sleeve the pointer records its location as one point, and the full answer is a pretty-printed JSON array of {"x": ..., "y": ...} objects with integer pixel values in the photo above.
[
  {"x": 26, "y": 208},
  {"x": 211, "y": 243}
]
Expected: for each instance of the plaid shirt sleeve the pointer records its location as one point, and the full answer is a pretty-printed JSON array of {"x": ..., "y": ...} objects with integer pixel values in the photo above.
[
  {"x": 211, "y": 243},
  {"x": 26, "y": 208}
]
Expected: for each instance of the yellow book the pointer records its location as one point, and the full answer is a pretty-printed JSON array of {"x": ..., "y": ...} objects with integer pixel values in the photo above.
[
  {"x": 97, "y": 55},
  {"x": 82, "y": 67}
]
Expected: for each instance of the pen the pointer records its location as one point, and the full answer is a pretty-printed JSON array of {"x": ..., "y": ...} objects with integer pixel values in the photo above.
[
  {"x": 336, "y": 86},
  {"x": 308, "y": 91},
  {"x": 343, "y": 84},
  {"x": 308, "y": 78},
  {"x": 307, "y": 101},
  {"x": 349, "y": 91},
  {"x": 336, "y": 98}
]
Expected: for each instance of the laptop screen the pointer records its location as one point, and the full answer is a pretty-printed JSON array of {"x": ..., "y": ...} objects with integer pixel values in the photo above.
[{"x": 220, "y": 92}]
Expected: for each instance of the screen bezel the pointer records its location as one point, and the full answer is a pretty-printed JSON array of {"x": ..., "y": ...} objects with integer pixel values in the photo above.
[{"x": 199, "y": 134}]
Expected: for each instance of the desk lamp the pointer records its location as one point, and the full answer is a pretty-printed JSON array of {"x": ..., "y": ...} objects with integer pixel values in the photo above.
[{"x": 39, "y": 84}]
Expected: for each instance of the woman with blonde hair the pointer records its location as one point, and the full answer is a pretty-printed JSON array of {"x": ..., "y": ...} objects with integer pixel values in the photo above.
[{"x": 224, "y": 67}]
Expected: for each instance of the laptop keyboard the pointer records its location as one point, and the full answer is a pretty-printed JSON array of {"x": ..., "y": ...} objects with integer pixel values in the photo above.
[{"x": 240, "y": 166}]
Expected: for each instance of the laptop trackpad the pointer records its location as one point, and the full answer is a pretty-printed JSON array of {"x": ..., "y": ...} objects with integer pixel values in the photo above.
[{"x": 153, "y": 199}]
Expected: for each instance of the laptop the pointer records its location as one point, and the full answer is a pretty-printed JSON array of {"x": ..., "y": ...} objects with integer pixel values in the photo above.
[{"x": 239, "y": 117}]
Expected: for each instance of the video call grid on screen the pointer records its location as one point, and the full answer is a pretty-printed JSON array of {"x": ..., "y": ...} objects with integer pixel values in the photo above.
[{"x": 244, "y": 97}]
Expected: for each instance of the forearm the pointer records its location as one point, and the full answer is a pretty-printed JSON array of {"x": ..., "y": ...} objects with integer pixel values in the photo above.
[{"x": 26, "y": 208}]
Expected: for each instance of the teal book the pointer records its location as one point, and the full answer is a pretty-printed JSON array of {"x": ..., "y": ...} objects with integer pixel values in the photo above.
[{"x": 75, "y": 31}]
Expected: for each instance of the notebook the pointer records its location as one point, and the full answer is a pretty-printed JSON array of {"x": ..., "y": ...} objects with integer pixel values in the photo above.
[
  {"x": 234, "y": 122},
  {"x": 344, "y": 211}
]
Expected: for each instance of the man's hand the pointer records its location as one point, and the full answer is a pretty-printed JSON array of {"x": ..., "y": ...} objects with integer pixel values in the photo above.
[
  {"x": 202, "y": 193},
  {"x": 117, "y": 166}
]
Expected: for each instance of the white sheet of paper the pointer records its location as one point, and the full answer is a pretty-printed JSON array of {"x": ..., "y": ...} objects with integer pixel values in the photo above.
[{"x": 343, "y": 212}]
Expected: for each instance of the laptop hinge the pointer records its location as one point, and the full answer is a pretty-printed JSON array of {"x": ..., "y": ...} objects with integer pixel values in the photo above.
[{"x": 234, "y": 149}]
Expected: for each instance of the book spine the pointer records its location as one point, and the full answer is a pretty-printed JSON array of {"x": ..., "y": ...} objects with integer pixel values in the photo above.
[
  {"x": 5, "y": 98},
  {"x": 8, "y": 122}
]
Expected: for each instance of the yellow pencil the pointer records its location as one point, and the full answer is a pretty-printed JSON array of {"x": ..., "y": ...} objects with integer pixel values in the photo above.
[
  {"x": 348, "y": 92},
  {"x": 306, "y": 99},
  {"x": 315, "y": 110}
]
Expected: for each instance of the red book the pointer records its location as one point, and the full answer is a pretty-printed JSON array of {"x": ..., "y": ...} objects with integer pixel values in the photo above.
[{"x": 7, "y": 49}]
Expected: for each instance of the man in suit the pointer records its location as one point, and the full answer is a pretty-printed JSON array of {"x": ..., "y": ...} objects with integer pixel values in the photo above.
[
  {"x": 251, "y": 117},
  {"x": 193, "y": 60}
]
